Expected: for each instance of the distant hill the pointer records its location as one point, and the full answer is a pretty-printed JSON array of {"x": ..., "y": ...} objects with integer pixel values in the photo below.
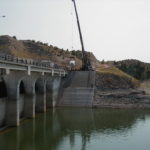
[{"x": 135, "y": 68}]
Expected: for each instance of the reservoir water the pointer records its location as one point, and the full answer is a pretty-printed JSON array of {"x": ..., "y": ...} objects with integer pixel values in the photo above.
[{"x": 81, "y": 129}]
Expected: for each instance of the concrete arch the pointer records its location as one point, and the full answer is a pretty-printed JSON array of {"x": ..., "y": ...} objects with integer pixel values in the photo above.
[
  {"x": 13, "y": 106},
  {"x": 40, "y": 91}
]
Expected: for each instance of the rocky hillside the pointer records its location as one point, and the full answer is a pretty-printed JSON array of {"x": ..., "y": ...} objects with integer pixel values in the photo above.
[
  {"x": 36, "y": 50},
  {"x": 107, "y": 76}
]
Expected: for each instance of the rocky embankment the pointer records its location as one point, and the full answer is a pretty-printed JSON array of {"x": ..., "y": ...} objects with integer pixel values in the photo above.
[
  {"x": 122, "y": 98},
  {"x": 116, "y": 89}
]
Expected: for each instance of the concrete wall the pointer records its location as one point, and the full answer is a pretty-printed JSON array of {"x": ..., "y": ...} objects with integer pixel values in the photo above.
[{"x": 80, "y": 90}]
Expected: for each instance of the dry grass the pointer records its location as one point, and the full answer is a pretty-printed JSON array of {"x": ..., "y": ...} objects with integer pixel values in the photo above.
[
  {"x": 26, "y": 54},
  {"x": 146, "y": 86},
  {"x": 106, "y": 69}
]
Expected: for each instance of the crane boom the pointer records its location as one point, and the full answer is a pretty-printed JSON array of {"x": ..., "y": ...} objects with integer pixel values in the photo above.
[{"x": 84, "y": 56}]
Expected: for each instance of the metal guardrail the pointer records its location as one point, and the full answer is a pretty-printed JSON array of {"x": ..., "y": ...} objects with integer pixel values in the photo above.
[{"x": 18, "y": 60}]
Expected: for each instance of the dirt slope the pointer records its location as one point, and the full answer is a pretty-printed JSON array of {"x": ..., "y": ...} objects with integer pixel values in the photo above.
[{"x": 35, "y": 50}]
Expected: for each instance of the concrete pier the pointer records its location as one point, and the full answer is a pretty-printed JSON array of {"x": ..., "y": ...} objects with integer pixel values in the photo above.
[
  {"x": 40, "y": 90},
  {"x": 49, "y": 92},
  {"x": 30, "y": 96}
]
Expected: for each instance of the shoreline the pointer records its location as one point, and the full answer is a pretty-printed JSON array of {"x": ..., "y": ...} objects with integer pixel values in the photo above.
[{"x": 121, "y": 99}]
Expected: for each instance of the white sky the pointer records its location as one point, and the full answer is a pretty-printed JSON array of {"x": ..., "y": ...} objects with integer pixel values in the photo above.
[{"x": 112, "y": 29}]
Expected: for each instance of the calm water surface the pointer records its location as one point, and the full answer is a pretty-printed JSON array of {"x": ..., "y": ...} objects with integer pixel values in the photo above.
[{"x": 81, "y": 129}]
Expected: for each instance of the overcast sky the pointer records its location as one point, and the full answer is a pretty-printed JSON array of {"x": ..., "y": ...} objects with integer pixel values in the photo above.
[{"x": 112, "y": 29}]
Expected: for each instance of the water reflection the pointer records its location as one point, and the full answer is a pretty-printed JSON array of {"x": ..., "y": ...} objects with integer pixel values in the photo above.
[{"x": 76, "y": 129}]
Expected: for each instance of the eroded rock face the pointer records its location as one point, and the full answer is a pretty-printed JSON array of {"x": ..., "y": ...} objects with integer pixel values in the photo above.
[
  {"x": 122, "y": 98},
  {"x": 106, "y": 81}
]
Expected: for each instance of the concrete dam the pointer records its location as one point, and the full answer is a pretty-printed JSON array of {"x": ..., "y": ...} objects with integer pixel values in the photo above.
[{"x": 28, "y": 87}]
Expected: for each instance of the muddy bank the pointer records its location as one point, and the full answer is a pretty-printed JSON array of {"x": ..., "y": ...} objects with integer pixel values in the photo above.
[{"x": 121, "y": 98}]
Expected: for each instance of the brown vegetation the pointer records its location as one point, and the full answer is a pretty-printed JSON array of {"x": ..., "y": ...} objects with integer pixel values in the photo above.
[{"x": 110, "y": 77}]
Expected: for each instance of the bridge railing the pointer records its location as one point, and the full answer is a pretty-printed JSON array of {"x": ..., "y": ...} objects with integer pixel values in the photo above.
[{"x": 35, "y": 62}]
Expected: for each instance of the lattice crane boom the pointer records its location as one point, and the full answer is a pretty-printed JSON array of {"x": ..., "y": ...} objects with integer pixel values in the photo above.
[{"x": 85, "y": 61}]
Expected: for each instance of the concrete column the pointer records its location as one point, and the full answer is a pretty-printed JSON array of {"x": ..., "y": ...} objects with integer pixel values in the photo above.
[
  {"x": 40, "y": 87},
  {"x": 12, "y": 103},
  {"x": 55, "y": 90},
  {"x": 52, "y": 90},
  {"x": 30, "y": 97},
  {"x": 49, "y": 92}
]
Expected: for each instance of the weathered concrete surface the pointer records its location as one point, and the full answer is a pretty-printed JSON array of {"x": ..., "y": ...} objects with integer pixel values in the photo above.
[
  {"x": 82, "y": 79},
  {"x": 80, "y": 90},
  {"x": 78, "y": 97}
]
